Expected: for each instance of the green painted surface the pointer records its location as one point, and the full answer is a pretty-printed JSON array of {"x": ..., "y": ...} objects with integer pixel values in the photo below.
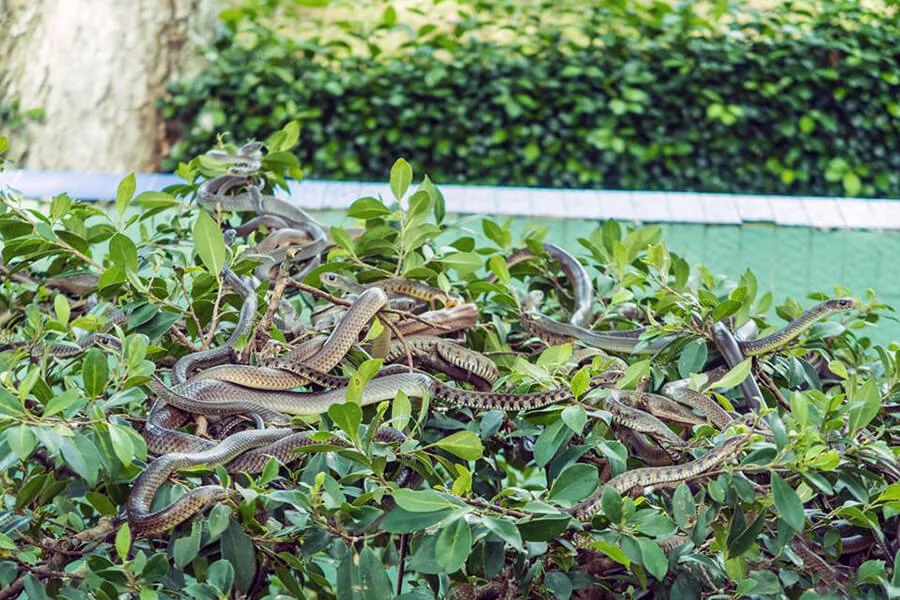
[{"x": 791, "y": 262}]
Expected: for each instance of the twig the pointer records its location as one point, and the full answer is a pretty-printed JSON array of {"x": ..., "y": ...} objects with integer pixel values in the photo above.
[
  {"x": 183, "y": 340},
  {"x": 187, "y": 298},
  {"x": 214, "y": 321},
  {"x": 264, "y": 324},
  {"x": 480, "y": 503},
  {"x": 14, "y": 589},
  {"x": 767, "y": 381},
  {"x": 396, "y": 332},
  {"x": 401, "y": 563}
]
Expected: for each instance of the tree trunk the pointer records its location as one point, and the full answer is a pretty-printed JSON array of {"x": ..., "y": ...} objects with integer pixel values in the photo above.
[{"x": 95, "y": 69}]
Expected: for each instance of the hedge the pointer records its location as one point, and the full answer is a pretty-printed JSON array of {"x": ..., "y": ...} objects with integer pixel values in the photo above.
[
  {"x": 488, "y": 504},
  {"x": 782, "y": 102}
]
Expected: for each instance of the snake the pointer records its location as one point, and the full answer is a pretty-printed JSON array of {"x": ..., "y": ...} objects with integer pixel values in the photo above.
[
  {"x": 201, "y": 384},
  {"x": 334, "y": 348},
  {"x": 436, "y": 350},
  {"x": 733, "y": 355},
  {"x": 622, "y": 342},
  {"x": 214, "y": 192},
  {"x": 632, "y": 342},
  {"x": 641, "y": 422},
  {"x": 574, "y": 271},
  {"x": 394, "y": 286},
  {"x": 242, "y": 452},
  {"x": 645, "y": 480}
]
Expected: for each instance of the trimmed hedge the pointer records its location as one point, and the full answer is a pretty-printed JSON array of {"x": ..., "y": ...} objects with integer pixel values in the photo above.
[{"x": 782, "y": 102}]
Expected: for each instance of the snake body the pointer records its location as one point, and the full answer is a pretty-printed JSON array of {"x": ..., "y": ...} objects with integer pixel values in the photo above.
[
  {"x": 793, "y": 329},
  {"x": 647, "y": 479},
  {"x": 394, "y": 286},
  {"x": 623, "y": 342},
  {"x": 574, "y": 271}
]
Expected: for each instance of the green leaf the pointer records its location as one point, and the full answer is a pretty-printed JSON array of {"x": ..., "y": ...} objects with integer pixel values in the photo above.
[
  {"x": 218, "y": 520},
  {"x": 401, "y": 177},
  {"x": 683, "y": 506},
  {"x": 186, "y": 548},
  {"x": 123, "y": 253},
  {"x": 125, "y": 193},
  {"x": 865, "y": 406},
  {"x": 800, "y": 408},
  {"x": 221, "y": 575},
  {"x": 209, "y": 243},
  {"x": 790, "y": 508},
  {"x": 575, "y": 483},
  {"x": 7, "y": 544},
  {"x": 238, "y": 549},
  {"x": 401, "y": 410},
  {"x": 734, "y": 376},
  {"x": 453, "y": 545},
  {"x": 123, "y": 541},
  {"x": 498, "y": 267},
  {"x": 121, "y": 443},
  {"x": 739, "y": 544},
  {"x": 463, "y": 444},
  {"x": 375, "y": 583},
  {"x": 654, "y": 558},
  {"x": 555, "y": 357},
  {"x": 559, "y": 584},
  {"x": 422, "y": 501},
  {"x": 614, "y": 552},
  {"x": 505, "y": 531},
  {"x": 581, "y": 381},
  {"x": 364, "y": 374},
  {"x": 692, "y": 358},
  {"x": 94, "y": 372},
  {"x": 575, "y": 418},
  {"x": 21, "y": 440},
  {"x": 463, "y": 262},
  {"x": 347, "y": 416},
  {"x": 61, "y": 308},
  {"x": 634, "y": 373},
  {"x": 404, "y": 521},
  {"x": 82, "y": 456},
  {"x": 367, "y": 208},
  {"x": 852, "y": 184},
  {"x": 549, "y": 442},
  {"x": 611, "y": 502}
]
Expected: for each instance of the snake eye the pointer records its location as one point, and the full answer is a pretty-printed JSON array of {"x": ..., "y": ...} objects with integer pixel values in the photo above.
[{"x": 845, "y": 303}]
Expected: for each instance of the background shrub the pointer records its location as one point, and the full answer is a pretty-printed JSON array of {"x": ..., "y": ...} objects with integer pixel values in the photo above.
[{"x": 785, "y": 101}]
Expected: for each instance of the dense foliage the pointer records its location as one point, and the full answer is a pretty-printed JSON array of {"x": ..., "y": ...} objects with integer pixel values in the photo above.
[
  {"x": 493, "y": 481},
  {"x": 794, "y": 100}
]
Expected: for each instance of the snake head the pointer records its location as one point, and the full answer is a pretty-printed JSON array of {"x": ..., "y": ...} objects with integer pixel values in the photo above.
[
  {"x": 842, "y": 303},
  {"x": 330, "y": 278}
]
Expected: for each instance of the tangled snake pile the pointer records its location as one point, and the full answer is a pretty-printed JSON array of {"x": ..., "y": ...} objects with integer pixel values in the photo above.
[{"x": 420, "y": 330}]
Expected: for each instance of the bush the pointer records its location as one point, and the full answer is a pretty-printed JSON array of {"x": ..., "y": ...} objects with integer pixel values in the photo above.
[
  {"x": 787, "y": 101},
  {"x": 492, "y": 481}
]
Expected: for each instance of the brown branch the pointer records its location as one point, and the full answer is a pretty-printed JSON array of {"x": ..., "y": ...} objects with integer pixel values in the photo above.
[
  {"x": 187, "y": 298},
  {"x": 396, "y": 332},
  {"x": 182, "y": 339},
  {"x": 214, "y": 321},
  {"x": 264, "y": 324},
  {"x": 767, "y": 381}
]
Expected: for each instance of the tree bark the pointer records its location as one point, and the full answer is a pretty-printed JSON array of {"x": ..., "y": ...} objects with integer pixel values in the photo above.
[{"x": 95, "y": 68}]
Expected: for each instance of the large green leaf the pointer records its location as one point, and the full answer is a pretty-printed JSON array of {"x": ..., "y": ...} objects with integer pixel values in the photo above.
[{"x": 209, "y": 243}]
